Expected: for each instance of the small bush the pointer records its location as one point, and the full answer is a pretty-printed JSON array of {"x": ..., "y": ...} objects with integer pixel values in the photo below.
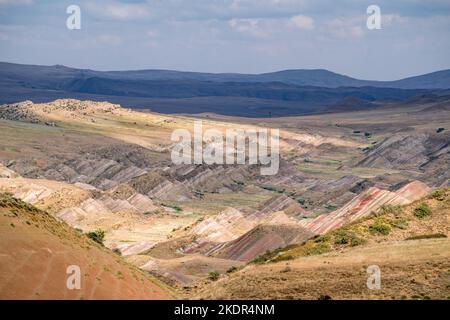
[
  {"x": 400, "y": 223},
  {"x": 232, "y": 269},
  {"x": 379, "y": 228},
  {"x": 438, "y": 195},
  {"x": 422, "y": 211},
  {"x": 264, "y": 257},
  {"x": 97, "y": 235},
  {"x": 176, "y": 208},
  {"x": 313, "y": 248},
  {"x": 343, "y": 237},
  {"x": 388, "y": 210},
  {"x": 214, "y": 276},
  {"x": 320, "y": 239}
]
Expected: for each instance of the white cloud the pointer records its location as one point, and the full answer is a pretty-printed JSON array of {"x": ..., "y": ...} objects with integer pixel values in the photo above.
[
  {"x": 252, "y": 27},
  {"x": 120, "y": 11},
  {"x": 301, "y": 22},
  {"x": 15, "y": 2},
  {"x": 345, "y": 28}
]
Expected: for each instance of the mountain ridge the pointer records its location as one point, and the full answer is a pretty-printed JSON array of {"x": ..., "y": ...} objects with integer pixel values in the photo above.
[
  {"x": 282, "y": 93},
  {"x": 314, "y": 77}
]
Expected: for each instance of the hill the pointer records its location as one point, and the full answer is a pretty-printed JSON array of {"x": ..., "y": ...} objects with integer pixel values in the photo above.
[
  {"x": 36, "y": 251},
  {"x": 408, "y": 243},
  {"x": 289, "y": 92},
  {"x": 302, "y": 77}
]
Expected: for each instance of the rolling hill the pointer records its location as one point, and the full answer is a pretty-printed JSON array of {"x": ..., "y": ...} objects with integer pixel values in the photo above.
[
  {"x": 36, "y": 251},
  {"x": 289, "y": 92}
]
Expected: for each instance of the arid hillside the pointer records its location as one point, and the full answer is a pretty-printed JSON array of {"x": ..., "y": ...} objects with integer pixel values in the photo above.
[
  {"x": 36, "y": 251},
  {"x": 408, "y": 243}
]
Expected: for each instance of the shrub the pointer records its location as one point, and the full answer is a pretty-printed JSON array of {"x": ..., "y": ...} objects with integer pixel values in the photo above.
[
  {"x": 232, "y": 269},
  {"x": 330, "y": 207},
  {"x": 388, "y": 210},
  {"x": 343, "y": 237},
  {"x": 264, "y": 257},
  {"x": 379, "y": 228},
  {"x": 214, "y": 275},
  {"x": 177, "y": 209},
  {"x": 97, "y": 235},
  {"x": 422, "y": 211},
  {"x": 399, "y": 223},
  {"x": 324, "y": 238},
  {"x": 314, "y": 248},
  {"x": 174, "y": 207},
  {"x": 438, "y": 195}
]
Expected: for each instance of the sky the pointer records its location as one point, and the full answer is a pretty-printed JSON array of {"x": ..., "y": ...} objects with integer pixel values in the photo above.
[{"x": 245, "y": 36}]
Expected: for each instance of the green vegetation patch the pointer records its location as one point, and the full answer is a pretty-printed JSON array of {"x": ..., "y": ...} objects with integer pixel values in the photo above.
[
  {"x": 400, "y": 223},
  {"x": 346, "y": 237},
  {"x": 173, "y": 206},
  {"x": 97, "y": 235},
  {"x": 379, "y": 228},
  {"x": 422, "y": 211},
  {"x": 233, "y": 269},
  {"x": 439, "y": 194},
  {"x": 7, "y": 200},
  {"x": 214, "y": 276}
]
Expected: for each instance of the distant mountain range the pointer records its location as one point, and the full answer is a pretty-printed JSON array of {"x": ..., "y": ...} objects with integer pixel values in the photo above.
[{"x": 280, "y": 93}]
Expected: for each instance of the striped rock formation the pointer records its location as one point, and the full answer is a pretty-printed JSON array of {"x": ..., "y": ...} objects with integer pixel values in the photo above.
[{"x": 364, "y": 204}]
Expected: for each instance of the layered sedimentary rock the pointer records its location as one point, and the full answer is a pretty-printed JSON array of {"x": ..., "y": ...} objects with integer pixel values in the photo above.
[{"x": 364, "y": 204}]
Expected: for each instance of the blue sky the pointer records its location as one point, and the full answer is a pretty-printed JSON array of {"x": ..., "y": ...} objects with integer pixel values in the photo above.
[{"x": 247, "y": 36}]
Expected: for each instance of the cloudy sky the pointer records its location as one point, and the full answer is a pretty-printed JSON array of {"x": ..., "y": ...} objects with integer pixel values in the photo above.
[{"x": 247, "y": 36}]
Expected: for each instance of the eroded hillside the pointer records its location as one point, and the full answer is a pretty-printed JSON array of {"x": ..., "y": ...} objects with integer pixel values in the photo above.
[
  {"x": 100, "y": 166},
  {"x": 36, "y": 251},
  {"x": 409, "y": 244}
]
